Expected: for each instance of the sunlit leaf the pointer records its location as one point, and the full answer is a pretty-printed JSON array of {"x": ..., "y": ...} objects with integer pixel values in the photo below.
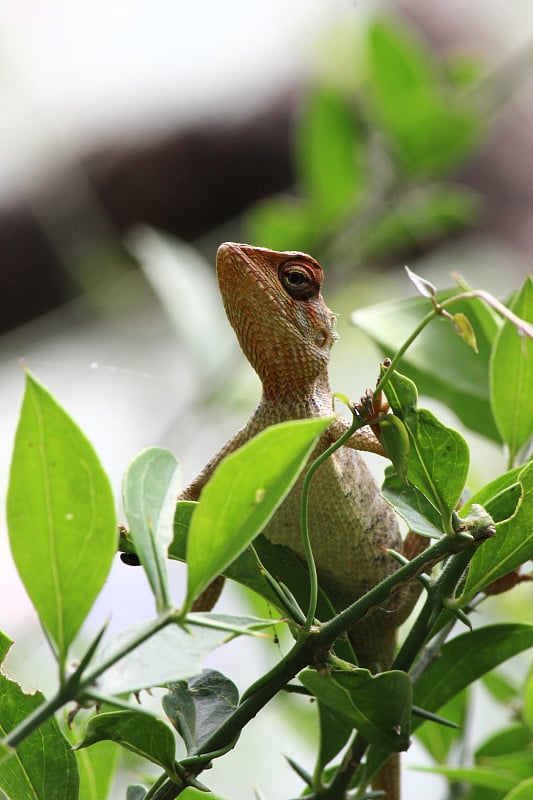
[
  {"x": 430, "y": 133},
  {"x": 499, "y": 497},
  {"x": 281, "y": 223},
  {"x": 522, "y": 791},
  {"x": 329, "y": 155},
  {"x": 438, "y": 456},
  {"x": 511, "y": 376},
  {"x": 242, "y": 495},
  {"x": 465, "y": 330},
  {"x": 150, "y": 488},
  {"x": 438, "y": 361},
  {"x": 61, "y": 515},
  {"x": 511, "y": 547}
]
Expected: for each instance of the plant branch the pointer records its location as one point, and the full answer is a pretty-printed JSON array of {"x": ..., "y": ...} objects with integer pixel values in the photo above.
[{"x": 309, "y": 644}]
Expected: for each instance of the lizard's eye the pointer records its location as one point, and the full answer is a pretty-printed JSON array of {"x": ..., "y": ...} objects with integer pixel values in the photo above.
[{"x": 298, "y": 280}]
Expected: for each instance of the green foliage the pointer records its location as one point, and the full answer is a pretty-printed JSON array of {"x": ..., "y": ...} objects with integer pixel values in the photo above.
[
  {"x": 55, "y": 474},
  {"x": 242, "y": 495},
  {"x": 61, "y": 516},
  {"x": 136, "y": 731},
  {"x": 512, "y": 545},
  {"x": 43, "y": 765},
  {"x": 151, "y": 485},
  {"x": 438, "y": 458},
  {"x": 511, "y": 377},
  {"x": 378, "y": 706},
  {"x": 438, "y": 362},
  {"x": 408, "y": 114},
  {"x": 199, "y": 706}
]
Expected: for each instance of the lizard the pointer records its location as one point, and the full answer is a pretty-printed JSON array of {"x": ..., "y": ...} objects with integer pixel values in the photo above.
[{"x": 274, "y": 303}]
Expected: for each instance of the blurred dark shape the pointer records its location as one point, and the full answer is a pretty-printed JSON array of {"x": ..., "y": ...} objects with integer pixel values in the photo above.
[
  {"x": 186, "y": 183},
  {"x": 192, "y": 180}
]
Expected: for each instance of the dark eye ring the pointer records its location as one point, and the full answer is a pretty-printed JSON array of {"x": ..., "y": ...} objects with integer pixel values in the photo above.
[{"x": 298, "y": 281}]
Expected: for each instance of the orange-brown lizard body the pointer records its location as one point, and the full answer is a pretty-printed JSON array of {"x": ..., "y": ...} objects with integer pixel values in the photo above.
[{"x": 274, "y": 304}]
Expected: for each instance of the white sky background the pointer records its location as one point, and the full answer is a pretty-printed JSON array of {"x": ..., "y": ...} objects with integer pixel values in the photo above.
[
  {"x": 76, "y": 71},
  {"x": 72, "y": 72}
]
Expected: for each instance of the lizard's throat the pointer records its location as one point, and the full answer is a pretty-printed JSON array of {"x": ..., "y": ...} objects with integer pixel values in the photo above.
[{"x": 293, "y": 387}]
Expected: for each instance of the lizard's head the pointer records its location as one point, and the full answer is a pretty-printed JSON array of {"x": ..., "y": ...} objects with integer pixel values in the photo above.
[{"x": 274, "y": 305}]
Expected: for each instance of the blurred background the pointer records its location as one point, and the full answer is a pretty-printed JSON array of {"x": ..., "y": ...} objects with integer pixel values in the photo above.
[{"x": 136, "y": 137}]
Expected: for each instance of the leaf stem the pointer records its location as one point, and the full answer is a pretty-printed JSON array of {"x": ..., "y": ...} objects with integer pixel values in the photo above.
[
  {"x": 310, "y": 643},
  {"x": 74, "y": 686},
  {"x": 401, "y": 351}
]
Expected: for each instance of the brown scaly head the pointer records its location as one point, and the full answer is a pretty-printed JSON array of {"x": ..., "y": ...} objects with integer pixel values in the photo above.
[{"x": 274, "y": 305}]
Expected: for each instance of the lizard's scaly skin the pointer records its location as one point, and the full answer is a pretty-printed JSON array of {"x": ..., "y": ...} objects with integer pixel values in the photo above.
[{"x": 286, "y": 331}]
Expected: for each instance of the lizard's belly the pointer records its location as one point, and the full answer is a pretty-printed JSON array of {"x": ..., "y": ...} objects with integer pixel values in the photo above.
[{"x": 350, "y": 524}]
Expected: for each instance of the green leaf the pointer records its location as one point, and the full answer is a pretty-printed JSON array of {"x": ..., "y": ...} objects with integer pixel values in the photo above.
[
  {"x": 431, "y": 134},
  {"x": 465, "y": 330},
  {"x": 195, "y": 794},
  {"x": 523, "y": 791},
  {"x": 281, "y": 223},
  {"x": 136, "y": 792},
  {"x": 329, "y": 155},
  {"x": 280, "y": 561},
  {"x": 511, "y": 376},
  {"x": 465, "y": 659},
  {"x": 438, "y": 456},
  {"x": 438, "y": 361},
  {"x": 378, "y": 706},
  {"x": 475, "y": 776},
  {"x": 97, "y": 766},
  {"x": 511, "y": 547},
  {"x": 504, "y": 742},
  {"x": 528, "y": 701},
  {"x": 198, "y": 707},
  {"x": 61, "y": 516},
  {"x": 418, "y": 217},
  {"x": 170, "y": 655},
  {"x": 137, "y": 731},
  {"x": 499, "y": 497},
  {"x": 395, "y": 441},
  {"x": 242, "y": 495},
  {"x": 151, "y": 486},
  {"x": 500, "y": 688},
  {"x": 335, "y": 730},
  {"x": 5, "y": 644},
  {"x": 43, "y": 765},
  {"x": 411, "y": 504}
]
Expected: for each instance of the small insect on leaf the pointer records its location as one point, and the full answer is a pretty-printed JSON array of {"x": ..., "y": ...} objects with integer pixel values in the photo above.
[
  {"x": 422, "y": 286},
  {"x": 462, "y": 325}
]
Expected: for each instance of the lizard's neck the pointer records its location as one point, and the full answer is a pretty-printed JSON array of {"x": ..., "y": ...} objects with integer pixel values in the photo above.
[{"x": 288, "y": 397}]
